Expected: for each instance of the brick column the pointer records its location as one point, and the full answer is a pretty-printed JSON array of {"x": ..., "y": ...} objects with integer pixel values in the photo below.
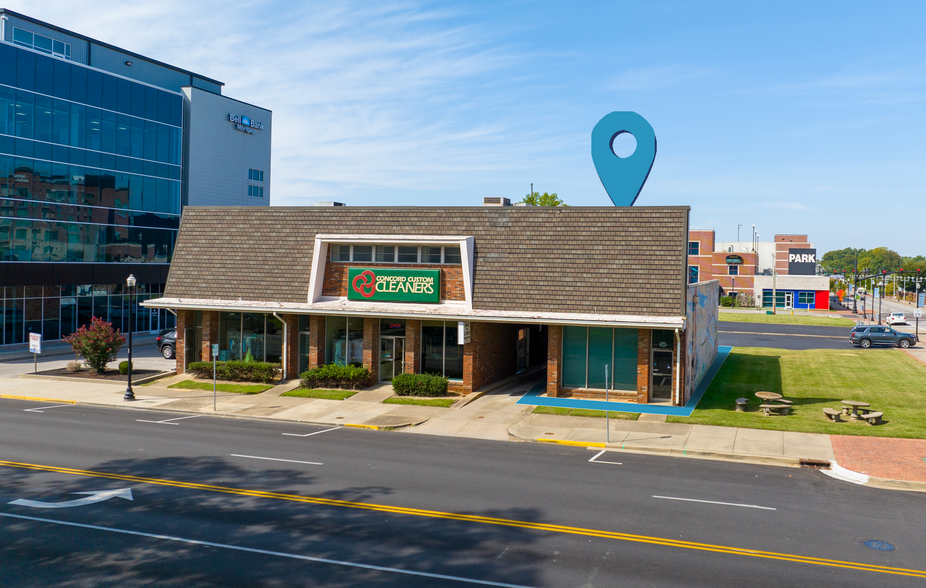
[
  {"x": 371, "y": 348},
  {"x": 210, "y": 333},
  {"x": 412, "y": 347},
  {"x": 184, "y": 320},
  {"x": 678, "y": 375},
  {"x": 644, "y": 342},
  {"x": 316, "y": 341},
  {"x": 291, "y": 346},
  {"x": 554, "y": 355}
]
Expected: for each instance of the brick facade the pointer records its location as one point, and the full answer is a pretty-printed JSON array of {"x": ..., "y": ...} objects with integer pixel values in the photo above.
[
  {"x": 371, "y": 348},
  {"x": 491, "y": 355},
  {"x": 316, "y": 341},
  {"x": 554, "y": 357},
  {"x": 291, "y": 346},
  {"x": 210, "y": 333},
  {"x": 412, "y": 347},
  {"x": 451, "y": 277},
  {"x": 184, "y": 320},
  {"x": 644, "y": 348},
  {"x": 783, "y": 243}
]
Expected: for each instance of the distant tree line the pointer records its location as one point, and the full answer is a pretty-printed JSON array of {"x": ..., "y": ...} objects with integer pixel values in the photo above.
[{"x": 879, "y": 258}]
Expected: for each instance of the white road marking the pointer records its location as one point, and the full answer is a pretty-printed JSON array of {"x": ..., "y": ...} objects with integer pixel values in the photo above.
[
  {"x": 310, "y": 434},
  {"x": 42, "y": 408},
  {"x": 168, "y": 421},
  {"x": 595, "y": 457},
  {"x": 277, "y": 459},
  {"x": 94, "y": 497},
  {"x": 715, "y": 502},
  {"x": 264, "y": 551}
]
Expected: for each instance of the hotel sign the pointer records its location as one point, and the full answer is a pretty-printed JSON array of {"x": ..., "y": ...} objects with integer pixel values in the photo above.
[{"x": 393, "y": 285}]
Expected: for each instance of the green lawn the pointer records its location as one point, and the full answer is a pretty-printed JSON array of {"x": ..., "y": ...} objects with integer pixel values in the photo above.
[
  {"x": 785, "y": 318},
  {"x": 316, "y": 393},
  {"x": 237, "y": 388},
  {"x": 892, "y": 381},
  {"x": 584, "y": 412},
  {"x": 443, "y": 402}
]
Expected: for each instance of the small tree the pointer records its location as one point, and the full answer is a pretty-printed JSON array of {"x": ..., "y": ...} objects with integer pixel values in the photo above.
[
  {"x": 545, "y": 199},
  {"x": 99, "y": 343}
]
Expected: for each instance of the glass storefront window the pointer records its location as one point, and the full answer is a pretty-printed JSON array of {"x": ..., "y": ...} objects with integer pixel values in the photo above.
[
  {"x": 441, "y": 352},
  {"x": 344, "y": 340},
  {"x": 229, "y": 336},
  {"x": 587, "y": 350},
  {"x": 392, "y": 327}
]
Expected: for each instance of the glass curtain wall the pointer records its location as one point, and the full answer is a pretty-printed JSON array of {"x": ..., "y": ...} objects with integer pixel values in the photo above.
[
  {"x": 587, "y": 351},
  {"x": 441, "y": 350}
]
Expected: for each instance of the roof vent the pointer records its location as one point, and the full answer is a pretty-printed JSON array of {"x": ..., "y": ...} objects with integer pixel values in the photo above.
[
  {"x": 495, "y": 201},
  {"x": 327, "y": 203}
]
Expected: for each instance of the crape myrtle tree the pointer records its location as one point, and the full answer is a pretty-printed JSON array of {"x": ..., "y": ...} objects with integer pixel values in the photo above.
[{"x": 98, "y": 344}]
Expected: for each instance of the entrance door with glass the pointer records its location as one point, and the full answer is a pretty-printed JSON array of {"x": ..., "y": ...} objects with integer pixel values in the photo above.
[
  {"x": 789, "y": 299},
  {"x": 662, "y": 376},
  {"x": 391, "y": 357}
]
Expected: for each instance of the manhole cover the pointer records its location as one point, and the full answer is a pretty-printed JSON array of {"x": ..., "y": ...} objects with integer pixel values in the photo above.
[{"x": 880, "y": 545}]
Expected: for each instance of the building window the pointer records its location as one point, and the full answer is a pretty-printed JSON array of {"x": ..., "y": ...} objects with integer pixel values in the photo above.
[
  {"x": 441, "y": 349},
  {"x": 344, "y": 340},
  {"x": 588, "y": 352},
  {"x": 408, "y": 254},
  {"x": 385, "y": 253},
  {"x": 694, "y": 248},
  {"x": 733, "y": 270},
  {"x": 256, "y": 175},
  {"x": 692, "y": 274},
  {"x": 41, "y": 43},
  {"x": 250, "y": 336},
  {"x": 805, "y": 298},
  {"x": 255, "y": 191},
  {"x": 429, "y": 254},
  {"x": 304, "y": 342}
]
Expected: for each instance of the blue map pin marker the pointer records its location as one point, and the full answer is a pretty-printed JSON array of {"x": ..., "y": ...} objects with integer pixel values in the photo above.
[{"x": 623, "y": 177}]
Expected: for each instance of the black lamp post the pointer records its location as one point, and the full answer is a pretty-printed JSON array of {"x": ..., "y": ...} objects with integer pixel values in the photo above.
[{"x": 130, "y": 282}]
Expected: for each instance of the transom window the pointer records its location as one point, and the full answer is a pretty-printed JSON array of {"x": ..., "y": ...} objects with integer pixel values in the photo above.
[
  {"x": 424, "y": 254},
  {"x": 41, "y": 43}
]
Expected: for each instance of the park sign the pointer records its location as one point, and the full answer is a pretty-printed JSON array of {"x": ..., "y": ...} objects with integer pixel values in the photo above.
[
  {"x": 802, "y": 262},
  {"x": 393, "y": 285}
]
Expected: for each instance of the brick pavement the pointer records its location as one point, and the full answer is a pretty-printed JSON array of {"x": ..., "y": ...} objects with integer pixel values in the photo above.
[{"x": 893, "y": 459}]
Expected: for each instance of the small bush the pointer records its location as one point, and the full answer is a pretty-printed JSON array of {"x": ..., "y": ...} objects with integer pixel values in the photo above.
[
  {"x": 726, "y": 301},
  {"x": 349, "y": 377},
  {"x": 98, "y": 343},
  {"x": 236, "y": 371},
  {"x": 420, "y": 385},
  {"x": 75, "y": 366},
  {"x": 124, "y": 367}
]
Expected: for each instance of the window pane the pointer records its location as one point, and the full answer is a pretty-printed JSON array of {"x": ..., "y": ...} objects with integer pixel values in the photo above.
[
  {"x": 430, "y": 254},
  {"x": 624, "y": 376},
  {"x": 574, "y": 356},
  {"x": 340, "y": 253},
  {"x": 599, "y": 355},
  {"x": 252, "y": 337},
  {"x": 336, "y": 340},
  {"x": 363, "y": 253},
  {"x": 229, "y": 336},
  {"x": 452, "y": 255},
  {"x": 385, "y": 253},
  {"x": 694, "y": 248},
  {"x": 408, "y": 254},
  {"x": 453, "y": 352},
  {"x": 432, "y": 347},
  {"x": 355, "y": 340}
]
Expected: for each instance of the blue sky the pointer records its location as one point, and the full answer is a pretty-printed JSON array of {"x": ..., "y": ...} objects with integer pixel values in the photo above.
[{"x": 798, "y": 117}]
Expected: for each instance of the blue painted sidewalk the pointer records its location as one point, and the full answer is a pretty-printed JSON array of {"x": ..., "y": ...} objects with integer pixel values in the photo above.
[{"x": 533, "y": 396}]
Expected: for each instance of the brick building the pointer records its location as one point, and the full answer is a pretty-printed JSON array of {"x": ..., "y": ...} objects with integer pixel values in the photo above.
[{"x": 476, "y": 294}]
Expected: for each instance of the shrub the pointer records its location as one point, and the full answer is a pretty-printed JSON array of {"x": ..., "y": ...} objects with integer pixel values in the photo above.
[
  {"x": 726, "y": 301},
  {"x": 420, "y": 385},
  {"x": 350, "y": 377},
  {"x": 124, "y": 367},
  {"x": 75, "y": 366},
  {"x": 98, "y": 344},
  {"x": 236, "y": 371}
]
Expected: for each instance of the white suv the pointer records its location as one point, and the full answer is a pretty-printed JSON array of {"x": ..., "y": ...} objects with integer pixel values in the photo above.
[{"x": 895, "y": 318}]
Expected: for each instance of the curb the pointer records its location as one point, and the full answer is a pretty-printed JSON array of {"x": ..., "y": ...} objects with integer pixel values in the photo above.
[
  {"x": 840, "y": 473},
  {"x": 356, "y": 426},
  {"x": 36, "y": 399},
  {"x": 135, "y": 382},
  {"x": 587, "y": 444}
]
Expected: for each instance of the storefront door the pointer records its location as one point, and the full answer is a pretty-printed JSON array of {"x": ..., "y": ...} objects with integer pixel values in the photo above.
[
  {"x": 661, "y": 388},
  {"x": 789, "y": 299},
  {"x": 391, "y": 357}
]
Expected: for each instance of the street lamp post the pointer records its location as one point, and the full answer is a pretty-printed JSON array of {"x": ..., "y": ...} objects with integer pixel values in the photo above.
[
  {"x": 130, "y": 282},
  {"x": 880, "y": 298}
]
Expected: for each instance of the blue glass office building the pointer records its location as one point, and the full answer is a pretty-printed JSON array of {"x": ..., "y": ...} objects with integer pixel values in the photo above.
[{"x": 96, "y": 162}]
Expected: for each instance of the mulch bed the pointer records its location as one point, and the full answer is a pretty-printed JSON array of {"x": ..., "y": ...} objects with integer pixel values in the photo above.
[{"x": 108, "y": 375}]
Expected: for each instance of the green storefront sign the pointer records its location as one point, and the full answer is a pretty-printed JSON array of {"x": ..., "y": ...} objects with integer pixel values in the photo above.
[{"x": 393, "y": 285}]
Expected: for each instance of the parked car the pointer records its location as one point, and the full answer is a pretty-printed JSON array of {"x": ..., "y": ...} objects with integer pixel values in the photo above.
[
  {"x": 896, "y": 317},
  {"x": 868, "y": 335},
  {"x": 167, "y": 343}
]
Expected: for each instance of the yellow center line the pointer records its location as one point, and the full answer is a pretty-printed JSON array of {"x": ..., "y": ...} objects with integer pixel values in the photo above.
[{"x": 477, "y": 519}]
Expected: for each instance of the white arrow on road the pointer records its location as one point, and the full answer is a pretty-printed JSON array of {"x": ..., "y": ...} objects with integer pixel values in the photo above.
[{"x": 93, "y": 497}]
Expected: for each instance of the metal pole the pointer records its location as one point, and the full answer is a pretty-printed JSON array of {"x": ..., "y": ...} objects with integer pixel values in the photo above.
[
  {"x": 607, "y": 413},
  {"x": 129, "y": 394},
  {"x": 213, "y": 382}
]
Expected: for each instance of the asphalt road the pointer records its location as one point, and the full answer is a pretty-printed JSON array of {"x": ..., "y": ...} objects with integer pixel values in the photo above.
[
  {"x": 794, "y": 337},
  {"x": 234, "y": 502}
]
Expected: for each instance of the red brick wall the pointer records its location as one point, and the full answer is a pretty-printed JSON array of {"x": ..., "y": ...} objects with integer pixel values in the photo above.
[
  {"x": 316, "y": 341},
  {"x": 644, "y": 344},
  {"x": 782, "y": 244},
  {"x": 451, "y": 278},
  {"x": 703, "y": 260},
  {"x": 492, "y": 354},
  {"x": 554, "y": 357},
  {"x": 184, "y": 320},
  {"x": 291, "y": 346},
  {"x": 210, "y": 333},
  {"x": 371, "y": 348},
  {"x": 412, "y": 347}
]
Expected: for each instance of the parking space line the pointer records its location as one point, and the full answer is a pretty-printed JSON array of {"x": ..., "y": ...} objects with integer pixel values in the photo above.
[
  {"x": 595, "y": 457},
  {"x": 715, "y": 502},
  {"x": 43, "y": 408},
  {"x": 168, "y": 421},
  {"x": 277, "y": 459},
  {"x": 262, "y": 551},
  {"x": 310, "y": 434}
]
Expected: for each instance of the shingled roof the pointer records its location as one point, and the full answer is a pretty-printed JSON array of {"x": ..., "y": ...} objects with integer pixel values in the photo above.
[{"x": 607, "y": 260}]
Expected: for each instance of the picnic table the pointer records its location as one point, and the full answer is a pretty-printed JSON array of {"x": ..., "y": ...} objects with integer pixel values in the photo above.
[
  {"x": 855, "y": 405},
  {"x": 768, "y": 395}
]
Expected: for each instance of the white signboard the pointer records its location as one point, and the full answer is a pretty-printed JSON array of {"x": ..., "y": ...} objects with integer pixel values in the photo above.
[
  {"x": 462, "y": 332},
  {"x": 35, "y": 342},
  {"x": 917, "y": 313},
  {"x": 215, "y": 350}
]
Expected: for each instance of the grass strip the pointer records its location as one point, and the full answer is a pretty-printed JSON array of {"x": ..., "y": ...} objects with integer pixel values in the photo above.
[
  {"x": 236, "y": 388},
  {"x": 442, "y": 402},
  {"x": 786, "y": 319},
  {"x": 320, "y": 393},
  {"x": 890, "y": 380},
  {"x": 584, "y": 412}
]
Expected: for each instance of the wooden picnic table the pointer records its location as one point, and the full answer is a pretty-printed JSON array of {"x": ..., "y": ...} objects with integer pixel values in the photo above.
[
  {"x": 855, "y": 405},
  {"x": 768, "y": 395}
]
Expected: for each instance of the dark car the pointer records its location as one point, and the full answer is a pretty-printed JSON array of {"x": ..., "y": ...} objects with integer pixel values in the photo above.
[
  {"x": 868, "y": 335},
  {"x": 167, "y": 343}
]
